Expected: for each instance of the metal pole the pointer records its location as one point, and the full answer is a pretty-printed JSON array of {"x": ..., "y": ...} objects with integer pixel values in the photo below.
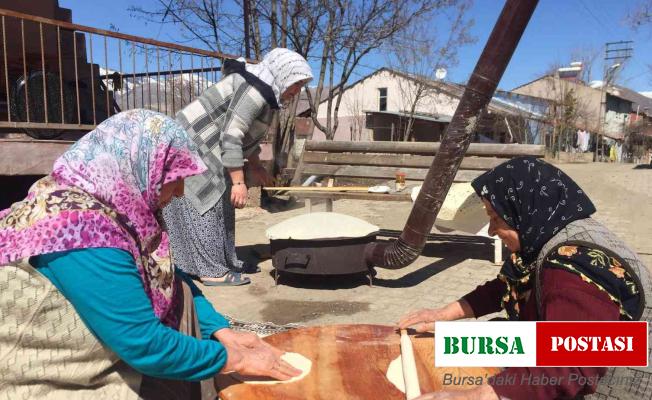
[
  {"x": 481, "y": 86},
  {"x": 202, "y": 75},
  {"x": 60, "y": 75},
  {"x": 172, "y": 87},
  {"x": 133, "y": 72},
  {"x": 122, "y": 82},
  {"x": 74, "y": 50},
  {"x": 182, "y": 82},
  {"x": 158, "y": 80},
  {"x": 25, "y": 77},
  {"x": 45, "y": 90},
  {"x": 106, "y": 71},
  {"x": 149, "y": 85},
  {"x": 4, "y": 51},
  {"x": 90, "y": 44},
  {"x": 192, "y": 76}
]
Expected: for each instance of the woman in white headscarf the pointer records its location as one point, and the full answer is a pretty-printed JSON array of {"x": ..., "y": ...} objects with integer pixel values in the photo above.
[{"x": 227, "y": 122}]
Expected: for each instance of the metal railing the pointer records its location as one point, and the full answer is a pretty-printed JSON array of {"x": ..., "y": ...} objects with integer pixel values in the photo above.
[{"x": 53, "y": 80}]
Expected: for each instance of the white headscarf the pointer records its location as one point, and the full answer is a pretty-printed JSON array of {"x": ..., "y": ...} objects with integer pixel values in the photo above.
[{"x": 280, "y": 69}]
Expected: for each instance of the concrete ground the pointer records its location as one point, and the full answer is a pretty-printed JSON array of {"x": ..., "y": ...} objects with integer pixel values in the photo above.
[{"x": 445, "y": 271}]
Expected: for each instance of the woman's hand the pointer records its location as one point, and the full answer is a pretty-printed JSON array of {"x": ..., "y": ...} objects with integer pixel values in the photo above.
[
  {"x": 239, "y": 195},
  {"x": 257, "y": 362},
  {"x": 245, "y": 340},
  {"x": 425, "y": 318},
  {"x": 239, "y": 189},
  {"x": 250, "y": 355}
]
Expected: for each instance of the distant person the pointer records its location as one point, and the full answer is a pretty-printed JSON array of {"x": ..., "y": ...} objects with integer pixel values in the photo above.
[
  {"x": 612, "y": 153},
  {"x": 92, "y": 307},
  {"x": 565, "y": 266},
  {"x": 227, "y": 122}
]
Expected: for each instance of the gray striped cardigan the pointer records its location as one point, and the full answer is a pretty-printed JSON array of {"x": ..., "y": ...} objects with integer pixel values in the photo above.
[{"x": 227, "y": 122}]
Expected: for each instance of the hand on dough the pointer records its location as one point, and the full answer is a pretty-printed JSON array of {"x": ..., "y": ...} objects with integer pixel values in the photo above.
[
  {"x": 250, "y": 355},
  {"x": 247, "y": 340},
  {"x": 424, "y": 319}
]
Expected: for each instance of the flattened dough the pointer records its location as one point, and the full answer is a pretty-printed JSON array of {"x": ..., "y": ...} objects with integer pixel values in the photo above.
[
  {"x": 294, "y": 359},
  {"x": 321, "y": 225},
  {"x": 395, "y": 374}
]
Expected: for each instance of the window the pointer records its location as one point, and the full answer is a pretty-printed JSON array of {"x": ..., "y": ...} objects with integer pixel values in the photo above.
[{"x": 382, "y": 104}]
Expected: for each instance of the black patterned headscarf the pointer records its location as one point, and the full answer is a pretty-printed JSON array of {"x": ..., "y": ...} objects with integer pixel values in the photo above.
[
  {"x": 538, "y": 200},
  {"x": 534, "y": 198}
]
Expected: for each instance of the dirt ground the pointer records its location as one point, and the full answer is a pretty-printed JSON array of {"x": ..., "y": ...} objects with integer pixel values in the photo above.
[{"x": 622, "y": 194}]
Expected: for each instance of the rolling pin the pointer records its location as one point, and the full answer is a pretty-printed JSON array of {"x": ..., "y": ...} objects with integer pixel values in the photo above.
[{"x": 410, "y": 377}]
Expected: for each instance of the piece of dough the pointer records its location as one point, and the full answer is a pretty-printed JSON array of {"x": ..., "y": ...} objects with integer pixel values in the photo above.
[
  {"x": 321, "y": 225},
  {"x": 294, "y": 359},
  {"x": 395, "y": 374}
]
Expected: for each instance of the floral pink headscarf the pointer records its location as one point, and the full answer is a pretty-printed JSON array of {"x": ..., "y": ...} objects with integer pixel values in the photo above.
[{"x": 104, "y": 192}]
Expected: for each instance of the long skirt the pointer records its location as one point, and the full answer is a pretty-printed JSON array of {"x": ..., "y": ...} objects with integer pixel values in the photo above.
[{"x": 203, "y": 245}]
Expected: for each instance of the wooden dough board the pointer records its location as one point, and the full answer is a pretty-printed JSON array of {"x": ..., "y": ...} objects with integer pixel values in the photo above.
[{"x": 348, "y": 362}]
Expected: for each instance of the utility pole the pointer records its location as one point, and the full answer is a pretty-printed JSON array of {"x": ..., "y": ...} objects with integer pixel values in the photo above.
[{"x": 618, "y": 53}]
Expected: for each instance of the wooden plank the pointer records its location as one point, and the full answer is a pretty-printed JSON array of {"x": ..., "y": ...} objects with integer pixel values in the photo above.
[
  {"x": 395, "y": 160},
  {"x": 353, "y": 171},
  {"x": 430, "y": 148},
  {"x": 319, "y": 189},
  {"x": 298, "y": 173},
  {"x": 30, "y": 157},
  {"x": 404, "y": 196}
]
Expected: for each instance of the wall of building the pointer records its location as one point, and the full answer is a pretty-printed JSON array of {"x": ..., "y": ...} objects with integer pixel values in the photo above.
[
  {"x": 349, "y": 128},
  {"x": 589, "y": 99},
  {"x": 364, "y": 96}
]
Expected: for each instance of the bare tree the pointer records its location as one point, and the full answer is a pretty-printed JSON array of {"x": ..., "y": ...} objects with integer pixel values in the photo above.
[
  {"x": 349, "y": 31},
  {"x": 255, "y": 25},
  {"x": 207, "y": 21},
  {"x": 588, "y": 56},
  {"x": 568, "y": 112},
  {"x": 419, "y": 51},
  {"x": 273, "y": 17},
  {"x": 641, "y": 15}
]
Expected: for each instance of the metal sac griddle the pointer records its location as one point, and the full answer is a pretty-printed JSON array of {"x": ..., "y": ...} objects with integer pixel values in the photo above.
[{"x": 336, "y": 256}]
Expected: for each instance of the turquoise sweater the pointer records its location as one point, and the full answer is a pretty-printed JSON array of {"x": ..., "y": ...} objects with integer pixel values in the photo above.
[{"x": 105, "y": 288}]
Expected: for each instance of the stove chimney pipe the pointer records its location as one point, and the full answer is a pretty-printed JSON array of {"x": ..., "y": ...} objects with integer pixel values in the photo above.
[{"x": 481, "y": 86}]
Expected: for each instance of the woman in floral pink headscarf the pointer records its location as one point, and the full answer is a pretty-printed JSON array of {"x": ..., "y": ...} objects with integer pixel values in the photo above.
[{"x": 91, "y": 305}]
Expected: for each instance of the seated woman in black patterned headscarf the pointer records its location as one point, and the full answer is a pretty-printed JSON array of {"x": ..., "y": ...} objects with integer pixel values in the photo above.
[{"x": 564, "y": 266}]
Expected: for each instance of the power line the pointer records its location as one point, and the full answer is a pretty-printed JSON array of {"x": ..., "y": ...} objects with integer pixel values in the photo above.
[{"x": 600, "y": 23}]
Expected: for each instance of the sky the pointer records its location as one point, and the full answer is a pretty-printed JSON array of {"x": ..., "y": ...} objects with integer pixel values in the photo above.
[{"x": 556, "y": 29}]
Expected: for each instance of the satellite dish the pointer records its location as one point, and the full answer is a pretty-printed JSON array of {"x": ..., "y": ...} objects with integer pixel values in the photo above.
[{"x": 441, "y": 73}]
